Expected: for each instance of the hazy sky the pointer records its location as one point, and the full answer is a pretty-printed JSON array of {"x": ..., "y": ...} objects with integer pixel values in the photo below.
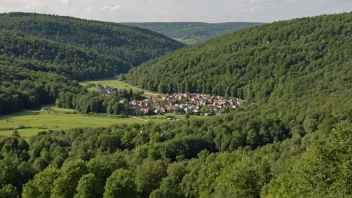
[{"x": 180, "y": 10}]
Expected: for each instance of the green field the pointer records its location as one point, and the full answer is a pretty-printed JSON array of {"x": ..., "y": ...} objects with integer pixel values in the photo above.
[
  {"x": 30, "y": 122},
  {"x": 113, "y": 82},
  {"x": 55, "y": 119}
]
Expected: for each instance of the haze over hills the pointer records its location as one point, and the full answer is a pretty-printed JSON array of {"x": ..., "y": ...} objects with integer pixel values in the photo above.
[
  {"x": 193, "y": 32},
  {"x": 134, "y": 45}
]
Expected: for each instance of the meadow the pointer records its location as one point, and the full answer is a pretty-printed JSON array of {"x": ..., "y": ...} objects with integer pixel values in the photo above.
[
  {"x": 113, "y": 82},
  {"x": 30, "y": 122}
]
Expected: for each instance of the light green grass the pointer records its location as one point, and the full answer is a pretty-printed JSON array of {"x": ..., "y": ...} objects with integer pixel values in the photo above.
[
  {"x": 113, "y": 82},
  {"x": 54, "y": 120},
  {"x": 62, "y": 119}
]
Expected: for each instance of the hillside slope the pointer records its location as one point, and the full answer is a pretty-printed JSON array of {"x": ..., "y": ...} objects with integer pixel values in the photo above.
[
  {"x": 77, "y": 63},
  {"x": 131, "y": 44},
  {"x": 291, "y": 64},
  {"x": 193, "y": 32},
  {"x": 34, "y": 71}
]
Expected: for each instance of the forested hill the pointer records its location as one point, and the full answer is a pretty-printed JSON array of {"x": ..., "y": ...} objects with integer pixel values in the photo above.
[
  {"x": 134, "y": 45},
  {"x": 303, "y": 62},
  {"x": 34, "y": 71},
  {"x": 193, "y": 32},
  {"x": 46, "y": 56}
]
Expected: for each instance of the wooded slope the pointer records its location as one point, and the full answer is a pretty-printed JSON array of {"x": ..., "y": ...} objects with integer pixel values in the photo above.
[
  {"x": 290, "y": 64},
  {"x": 134, "y": 45}
]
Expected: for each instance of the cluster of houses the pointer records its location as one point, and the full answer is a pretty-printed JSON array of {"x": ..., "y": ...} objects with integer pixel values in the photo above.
[
  {"x": 107, "y": 89},
  {"x": 181, "y": 103}
]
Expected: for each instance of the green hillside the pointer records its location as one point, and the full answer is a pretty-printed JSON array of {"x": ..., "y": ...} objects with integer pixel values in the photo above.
[
  {"x": 291, "y": 66},
  {"x": 293, "y": 139},
  {"x": 43, "y": 56},
  {"x": 193, "y": 32},
  {"x": 46, "y": 55},
  {"x": 133, "y": 45}
]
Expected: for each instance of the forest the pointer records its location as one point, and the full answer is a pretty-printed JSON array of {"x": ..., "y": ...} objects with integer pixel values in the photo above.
[
  {"x": 236, "y": 155},
  {"x": 293, "y": 139},
  {"x": 35, "y": 71},
  {"x": 193, "y": 32},
  {"x": 298, "y": 69},
  {"x": 131, "y": 44}
]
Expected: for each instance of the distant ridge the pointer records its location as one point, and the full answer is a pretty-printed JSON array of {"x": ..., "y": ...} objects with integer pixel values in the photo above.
[{"x": 193, "y": 32}]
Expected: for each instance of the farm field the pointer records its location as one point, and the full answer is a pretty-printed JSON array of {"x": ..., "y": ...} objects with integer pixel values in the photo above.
[{"x": 113, "y": 82}]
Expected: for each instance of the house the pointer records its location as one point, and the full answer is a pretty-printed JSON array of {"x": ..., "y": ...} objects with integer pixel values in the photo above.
[
  {"x": 136, "y": 110},
  {"x": 178, "y": 110},
  {"x": 169, "y": 108},
  {"x": 162, "y": 110}
]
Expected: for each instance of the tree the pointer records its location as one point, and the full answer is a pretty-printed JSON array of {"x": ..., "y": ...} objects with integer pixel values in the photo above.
[
  {"x": 58, "y": 103},
  {"x": 9, "y": 191},
  {"x": 122, "y": 77},
  {"x": 16, "y": 134},
  {"x": 120, "y": 184},
  {"x": 42, "y": 184},
  {"x": 187, "y": 116},
  {"x": 149, "y": 175},
  {"x": 71, "y": 172},
  {"x": 323, "y": 171},
  {"x": 89, "y": 186}
]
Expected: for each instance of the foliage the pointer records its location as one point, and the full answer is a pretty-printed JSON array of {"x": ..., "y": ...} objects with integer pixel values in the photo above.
[
  {"x": 133, "y": 45},
  {"x": 294, "y": 140},
  {"x": 299, "y": 69},
  {"x": 120, "y": 184}
]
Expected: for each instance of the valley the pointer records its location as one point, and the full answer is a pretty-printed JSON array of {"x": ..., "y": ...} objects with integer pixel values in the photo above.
[
  {"x": 192, "y": 33},
  {"x": 100, "y": 109}
]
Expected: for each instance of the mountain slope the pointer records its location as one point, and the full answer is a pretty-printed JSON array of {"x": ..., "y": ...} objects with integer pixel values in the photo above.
[
  {"x": 131, "y": 44},
  {"x": 291, "y": 64},
  {"x": 193, "y": 32},
  {"x": 34, "y": 71},
  {"x": 77, "y": 63}
]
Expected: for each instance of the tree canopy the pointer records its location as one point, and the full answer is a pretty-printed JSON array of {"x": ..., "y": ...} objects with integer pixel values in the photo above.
[{"x": 131, "y": 44}]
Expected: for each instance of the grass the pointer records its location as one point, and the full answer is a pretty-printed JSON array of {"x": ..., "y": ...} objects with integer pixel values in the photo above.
[
  {"x": 113, "y": 82},
  {"x": 56, "y": 119},
  {"x": 30, "y": 122}
]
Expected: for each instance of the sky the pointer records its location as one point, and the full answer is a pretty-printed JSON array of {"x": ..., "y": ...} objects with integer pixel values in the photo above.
[{"x": 212, "y": 11}]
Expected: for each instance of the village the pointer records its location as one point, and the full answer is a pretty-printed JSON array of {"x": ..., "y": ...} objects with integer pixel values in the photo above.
[
  {"x": 179, "y": 103},
  {"x": 182, "y": 103}
]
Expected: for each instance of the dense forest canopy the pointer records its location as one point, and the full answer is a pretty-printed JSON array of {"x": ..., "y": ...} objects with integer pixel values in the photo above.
[
  {"x": 131, "y": 44},
  {"x": 231, "y": 156},
  {"x": 295, "y": 67},
  {"x": 193, "y": 32},
  {"x": 36, "y": 71}
]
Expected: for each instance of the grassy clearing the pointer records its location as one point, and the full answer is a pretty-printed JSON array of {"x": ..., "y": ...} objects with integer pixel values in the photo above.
[
  {"x": 30, "y": 122},
  {"x": 56, "y": 119},
  {"x": 113, "y": 82}
]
